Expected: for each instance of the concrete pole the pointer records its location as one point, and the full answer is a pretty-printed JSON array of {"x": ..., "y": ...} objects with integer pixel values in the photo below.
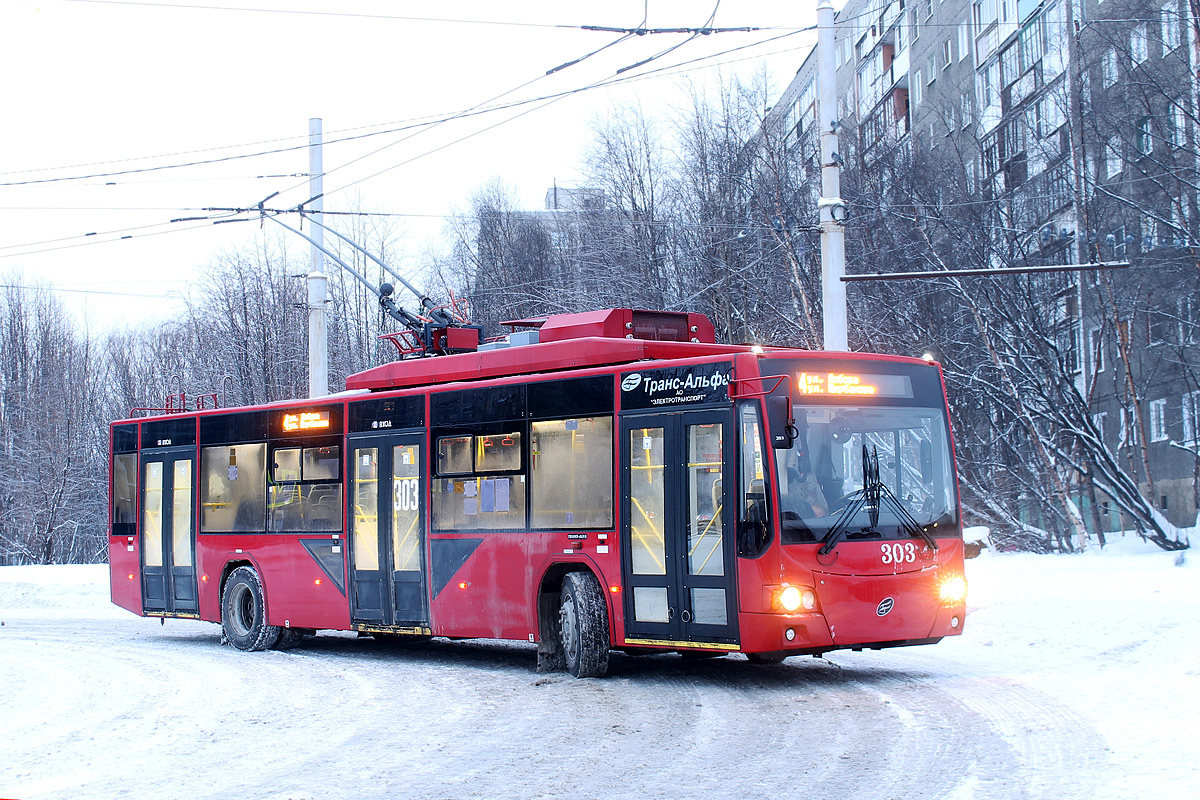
[
  {"x": 831, "y": 207},
  {"x": 318, "y": 331}
]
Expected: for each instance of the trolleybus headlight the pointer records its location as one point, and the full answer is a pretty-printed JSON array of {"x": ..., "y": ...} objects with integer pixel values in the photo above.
[
  {"x": 793, "y": 598},
  {"x": 953, "y": 589},
  {"x": 790, "y": 598}
]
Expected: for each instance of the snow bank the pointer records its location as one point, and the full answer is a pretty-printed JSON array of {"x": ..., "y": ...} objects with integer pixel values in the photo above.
[{"x": 64, "y": 590}]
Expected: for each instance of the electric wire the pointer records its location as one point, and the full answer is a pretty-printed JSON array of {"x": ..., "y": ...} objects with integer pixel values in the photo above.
[{"x": 659, "y": 72}]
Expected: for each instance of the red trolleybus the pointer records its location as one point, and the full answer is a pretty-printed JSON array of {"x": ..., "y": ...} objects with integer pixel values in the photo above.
[{"x": 612, "y": 479}]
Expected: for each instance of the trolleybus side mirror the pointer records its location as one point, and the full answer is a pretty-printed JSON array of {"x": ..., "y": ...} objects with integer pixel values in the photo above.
[{"x": 780, "y": 422}]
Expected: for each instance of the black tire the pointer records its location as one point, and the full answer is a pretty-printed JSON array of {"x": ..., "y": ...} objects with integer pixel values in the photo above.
[
  {"x": 765, "y": 658},
  {"x": 583, "y": 618},
  {"x": 244, "y": 612}
]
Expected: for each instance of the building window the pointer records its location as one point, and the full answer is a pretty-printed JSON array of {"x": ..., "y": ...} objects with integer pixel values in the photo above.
[
  {"x": 931, "y": 70},
  {"x": 1109, "y": 69},
  {"x": 964, "y": 40},
  {"x": 1100, "y": 420},
  {"x": 1191, "y": 416},
  {"x": 985, "y": 13},
  {"x": 1129, "y": 435},
  {"x": 1178, "y": 124},
  {"x": 1158, "y": 420},
  {"x": 1096, "y": 348},
  {"x": 1112, "y": 159},
  {"x": 1139, "y": 49},
  {"x": 1169, "y": 14},
  {"x": 947, "y": 53},
  {"x": 918, "y": 88},
  {"x": 1189, "y": 320},
  {"x": 1144, "y": 143},
  {"x": 1158, "y": 327}
]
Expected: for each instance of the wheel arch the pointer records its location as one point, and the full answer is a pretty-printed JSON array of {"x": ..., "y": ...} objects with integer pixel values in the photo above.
[
  {"x": 226, "y": 571},
  {"x": 550, "y": 656}
]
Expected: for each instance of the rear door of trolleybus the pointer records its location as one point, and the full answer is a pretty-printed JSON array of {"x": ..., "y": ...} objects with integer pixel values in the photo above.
[
  {"x": 677, "y": 541},
  {"x": 387, "y": 525},
  {"x": 168, "y": 532}
]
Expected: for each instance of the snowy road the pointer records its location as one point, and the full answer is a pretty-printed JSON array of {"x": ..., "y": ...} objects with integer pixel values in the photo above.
[{"x": 110, "y": 705}]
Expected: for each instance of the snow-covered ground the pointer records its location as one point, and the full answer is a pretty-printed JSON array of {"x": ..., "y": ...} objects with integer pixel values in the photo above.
[{"x": 1077, "y": 676}]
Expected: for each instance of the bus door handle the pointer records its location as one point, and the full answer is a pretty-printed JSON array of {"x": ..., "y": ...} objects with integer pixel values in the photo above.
[{"x": 686, "y": 616}]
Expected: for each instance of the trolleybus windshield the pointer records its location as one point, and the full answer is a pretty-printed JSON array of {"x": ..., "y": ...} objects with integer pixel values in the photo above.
[{"x": 822, "y": 473}]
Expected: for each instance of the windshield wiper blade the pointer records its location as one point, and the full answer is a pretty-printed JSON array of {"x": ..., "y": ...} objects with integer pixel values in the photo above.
[
  {"x": 874, "y": 495},
  {"x": 907, "y": 522}
]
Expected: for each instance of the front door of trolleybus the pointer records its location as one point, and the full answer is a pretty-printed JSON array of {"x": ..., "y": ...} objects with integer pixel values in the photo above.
[
  {"x": 168, "y": 532},
  {"x": 387, "y": 572},
  {"x": 678, "y": 545}
]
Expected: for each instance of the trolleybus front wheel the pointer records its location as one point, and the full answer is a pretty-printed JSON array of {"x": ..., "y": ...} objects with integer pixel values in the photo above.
[
  {"x": 244, "y": 612},
  {"x": 583, "y": 617}
]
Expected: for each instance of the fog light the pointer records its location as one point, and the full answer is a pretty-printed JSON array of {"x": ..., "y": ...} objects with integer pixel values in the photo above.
[
  {"x": 790, "y": 634},
  {"x": 953, "y": 589},
  {"x": 790, "y": 598},
  {"x": 954, "y": 622}
]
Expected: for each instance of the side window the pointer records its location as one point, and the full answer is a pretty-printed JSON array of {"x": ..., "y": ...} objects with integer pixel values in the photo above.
[
  {"x": 479, "y": 483},
  {"x": 754, "y": 516},
  {"x": 233, "y": 488},
  {"x": 305, "y": 492},
  {"x": 124, "y": 489},
  {"x": 571, "y": 473}
]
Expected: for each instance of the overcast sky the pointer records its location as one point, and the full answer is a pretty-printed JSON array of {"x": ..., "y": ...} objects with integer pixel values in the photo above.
[{"x": 105, "y": 93}]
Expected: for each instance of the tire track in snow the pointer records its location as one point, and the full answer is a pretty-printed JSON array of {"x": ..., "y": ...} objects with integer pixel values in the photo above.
[{"x": 132, "y": 709}]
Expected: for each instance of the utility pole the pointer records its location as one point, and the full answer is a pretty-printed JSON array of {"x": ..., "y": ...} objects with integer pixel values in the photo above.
[
  {"x": 831, "y": 207},
  {"x": 318, "y": 330}
]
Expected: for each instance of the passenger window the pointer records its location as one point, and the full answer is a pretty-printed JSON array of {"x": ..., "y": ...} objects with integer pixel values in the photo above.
[
  {"x": 468, "y": 493},
  {"x": 124, "y": 489},
  {"x": 498, "y": 453},
  {"x": 287, "y": 465},
  {"x": 571, "y": 473},
  {"x": 454, "y": 455},
  {"x": 321, "y": 463},
  {"x": 754, "y": 519},
  {"x": 233, "y": 488},
  {"x": 479, "y": 503},
  {"x": 304, "y": 494}
]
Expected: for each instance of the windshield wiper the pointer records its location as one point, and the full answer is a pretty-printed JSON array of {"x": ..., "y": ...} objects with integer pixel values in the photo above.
[{"x": 873, "y": 494}]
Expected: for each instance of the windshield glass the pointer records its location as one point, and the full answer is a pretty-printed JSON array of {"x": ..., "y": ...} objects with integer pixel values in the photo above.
[{"x": 822, "y": 473}]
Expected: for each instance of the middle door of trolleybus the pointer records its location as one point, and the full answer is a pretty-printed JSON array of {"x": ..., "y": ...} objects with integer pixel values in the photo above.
[
  {"x": 387, "y": 530},
  {"x": 677, "y": 550}
]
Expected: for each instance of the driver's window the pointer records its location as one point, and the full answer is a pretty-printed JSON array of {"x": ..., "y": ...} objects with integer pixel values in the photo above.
[{"x": 754, "y": 520}]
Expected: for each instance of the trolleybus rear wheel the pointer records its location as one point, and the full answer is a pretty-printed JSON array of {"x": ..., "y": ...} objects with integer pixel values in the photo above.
[
  {"x": 583, "y": 617},
  {"x": 244, "y": 612},
  {"x": 765, "y": 658}
]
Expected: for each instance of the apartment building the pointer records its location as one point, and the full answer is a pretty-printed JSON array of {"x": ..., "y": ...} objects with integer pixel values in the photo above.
[{"x": 1076, "y": 123}]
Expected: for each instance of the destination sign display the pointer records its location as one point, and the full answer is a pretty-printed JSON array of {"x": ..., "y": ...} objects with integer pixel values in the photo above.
[
  {"x": 306, "y": 421},
  {"x": 849, "y": 384}
]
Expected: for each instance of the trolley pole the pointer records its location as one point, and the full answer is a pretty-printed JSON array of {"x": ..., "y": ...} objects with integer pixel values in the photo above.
[
  {"x": 830, "y": 206},
  {"x": 318, "y": 331}
]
